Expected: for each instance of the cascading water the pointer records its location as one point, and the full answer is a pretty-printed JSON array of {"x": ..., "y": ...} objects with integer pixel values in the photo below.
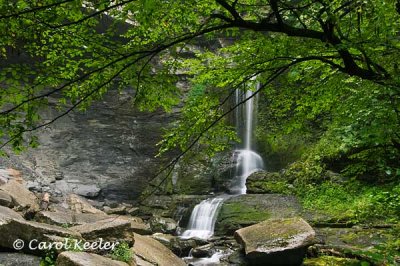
[
  {"x": 247, "y": 160},
  {"x": 204, "y": 215}
]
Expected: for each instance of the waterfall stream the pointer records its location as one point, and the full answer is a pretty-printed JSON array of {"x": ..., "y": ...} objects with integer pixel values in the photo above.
[{"x": 204, "y": 215}]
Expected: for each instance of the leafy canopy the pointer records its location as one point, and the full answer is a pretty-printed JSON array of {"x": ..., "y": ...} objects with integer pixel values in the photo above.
[{"x": 336, "y": 59}]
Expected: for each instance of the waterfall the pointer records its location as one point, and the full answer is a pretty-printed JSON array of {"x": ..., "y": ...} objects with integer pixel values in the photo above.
[
  {"x": 204, "y": 214},
  {"x": 247, "y": 160},
  {"x": 203, "y": 217}
]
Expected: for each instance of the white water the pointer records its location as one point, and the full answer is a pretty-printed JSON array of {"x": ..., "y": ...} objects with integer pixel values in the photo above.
[
  {"x": 247, "y": 162},
  {"x": 204, "y": 215}
]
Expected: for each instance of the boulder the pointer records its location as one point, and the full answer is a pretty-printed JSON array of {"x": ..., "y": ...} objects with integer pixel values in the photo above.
[
  {"x": 80, "y": 205},
  {"x": 68, "y": 217},
  {"x": 137, "y": 225},
  {"x": 163, "y": 225},
  {"x": 110, "y": 229},
  {"x": 276, "y": 241},
  {"x": 20, "y": 259},
  {"x": 154, "y": 253},
  {"x": 89, "y": 191},
  {"x": 21, "y": 196},
  {"x": 69, "y": 258},
  {"x": 13, "y": 228},
  {"x": 245, "y": 210},
  {"x": 180, "y": 247},
  {"x": 5, "y": 199},
  {"x": 7, "y": 213},
  {"x": 203, "y": 251}
]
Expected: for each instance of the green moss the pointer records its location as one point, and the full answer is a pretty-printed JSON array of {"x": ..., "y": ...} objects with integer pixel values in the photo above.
[
  {"x": 333, "y": 261},
  {"x": 235, "y": 215},
  {"x": 280, "y": 187}
]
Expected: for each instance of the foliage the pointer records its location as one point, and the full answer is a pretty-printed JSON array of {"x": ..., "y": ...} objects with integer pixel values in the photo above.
[
  {"x": 353, "y": 201},
  {"x": 122, "y": 252},
  {"x": 144, "y": 43},
  {"x": 329, "y": 260},
  {"x": 344, "y": 126},
  {"x": 49, "y": 259}
]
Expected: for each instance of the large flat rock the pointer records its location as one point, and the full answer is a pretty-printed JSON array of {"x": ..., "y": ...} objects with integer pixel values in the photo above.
[
  {"x": 69, "y": 258},
  {"x": 110, "y": 229},
  {"x": 14, "y": 227},
  {"x": 20, "y": 195},
  {"x": 244, "y": 210},
  {"x": 69, "y": 217},
  {"x": 276, "y": 241},
  {"x": 152, "y": 252},
  {"x": 81, "y": 205},
  {"x": 6, "y": 213}
]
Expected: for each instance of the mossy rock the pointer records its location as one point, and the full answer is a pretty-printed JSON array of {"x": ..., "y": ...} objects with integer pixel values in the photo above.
[
  {"x": 333, "y": 261},
  {"x": 244, "y": 210},
  {"x": 236, "y": 215},
  {"x": 266, "y": 182}
]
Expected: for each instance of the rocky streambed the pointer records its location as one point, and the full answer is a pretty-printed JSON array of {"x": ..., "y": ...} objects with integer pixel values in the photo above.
[{"x": 254, "y": 229}]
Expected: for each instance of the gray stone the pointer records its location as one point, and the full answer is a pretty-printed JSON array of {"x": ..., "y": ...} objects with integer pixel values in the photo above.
[
  {"x": 163, "y": 225},
  {"x": 5, "y": 199},
  {"x": 180, "y": 247},
  {"x": 18, "y": 259},
  {"x": 89, "y": 191},
  {"x": 20, "y": 195},
  {"x": 109, "y": 229},
  {"x": 112, "y": 145},
  {"x": 69, "y": 258},
  {"x": 276, "y": 241},
  {"x": 154, "y": 253},
  {"x": 34, "y": 186},
  {"x": 203, "y": 251}
]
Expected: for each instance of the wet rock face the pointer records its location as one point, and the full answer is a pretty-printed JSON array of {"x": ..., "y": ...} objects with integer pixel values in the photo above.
[{"x": 107, "y": 151}]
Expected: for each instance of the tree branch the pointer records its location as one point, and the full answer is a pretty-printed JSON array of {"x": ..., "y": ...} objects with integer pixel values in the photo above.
[
  {"x": 145, "y": 52},
  {"x": 94, "y": 14},
  {"x": 230, "y": 9},
  {"x": 33, "y": 10}
]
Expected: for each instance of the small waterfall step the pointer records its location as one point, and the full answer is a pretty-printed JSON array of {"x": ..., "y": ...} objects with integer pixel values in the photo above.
[{"x": 202, "y": 220}]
